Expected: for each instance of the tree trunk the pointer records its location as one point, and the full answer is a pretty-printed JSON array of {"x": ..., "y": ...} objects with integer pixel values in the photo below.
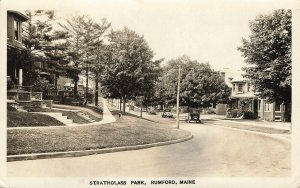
[
  {"x": 86, "y": 82},
  {"x": 124, "y": 104},
  {"x": 55, "y": 81},
  {"x": 75, "y": 86},
  {"x": 96, "y": 90},
  {"x": 141, "y": 110},
  {"x": 120, "y": 104}
]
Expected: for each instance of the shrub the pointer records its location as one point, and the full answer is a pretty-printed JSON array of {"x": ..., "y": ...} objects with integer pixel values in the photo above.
[
  {"x": 250, "y": 115},
  {"x": 210, "y": 111},
  {"x": 41, "y": 84},
  {"x": 235, "y": 113},
  {"x": 11, "y": 108},
  {"x": 10, "y": 84}
]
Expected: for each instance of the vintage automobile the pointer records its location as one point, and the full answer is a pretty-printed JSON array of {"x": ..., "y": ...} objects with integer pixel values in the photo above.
[
  {"x": 193, "y": 117},
  {"x": 167, "y": 115},
  {"x": 152, "y": 112}
]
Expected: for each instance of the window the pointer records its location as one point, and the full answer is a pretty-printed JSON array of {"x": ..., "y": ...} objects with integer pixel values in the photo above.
[
  {"x": 248, "y": 89},
  {"x": 240, "y": 88},
  {"x": 277, "y": 107},
  {"x": 267, "y": 107},
  {"x": 233, "y": 87},
  {"x": 17, "y": 29}
]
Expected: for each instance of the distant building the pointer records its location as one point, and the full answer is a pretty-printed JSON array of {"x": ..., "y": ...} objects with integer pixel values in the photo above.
[
  {"x": 67, "y": 84},
  {"x": 241, "y": 89}
]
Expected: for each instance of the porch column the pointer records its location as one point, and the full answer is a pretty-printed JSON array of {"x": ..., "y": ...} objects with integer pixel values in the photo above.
[{"x": 20, "y": 77}]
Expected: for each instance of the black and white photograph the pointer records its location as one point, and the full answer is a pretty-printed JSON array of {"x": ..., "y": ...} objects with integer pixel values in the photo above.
[{"x": 141, "y": 93}]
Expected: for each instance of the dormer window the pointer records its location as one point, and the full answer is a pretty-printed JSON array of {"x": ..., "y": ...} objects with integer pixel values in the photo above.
[{"x": 17, "y": 30}]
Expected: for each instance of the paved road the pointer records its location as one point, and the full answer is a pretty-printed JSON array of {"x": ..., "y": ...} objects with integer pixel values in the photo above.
[{"x": 213, "y": 151}]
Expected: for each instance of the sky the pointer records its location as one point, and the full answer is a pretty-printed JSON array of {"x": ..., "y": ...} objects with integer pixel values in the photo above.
[{"x": 206, "y": 31}]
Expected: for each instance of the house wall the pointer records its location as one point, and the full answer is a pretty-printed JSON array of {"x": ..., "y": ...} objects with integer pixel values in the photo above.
[
  {"x": 10, "y": 31},
  {"x": 61, "y": 82},
  {"x": 271, "y": 114},
  {"x": 221, "y": 109}
]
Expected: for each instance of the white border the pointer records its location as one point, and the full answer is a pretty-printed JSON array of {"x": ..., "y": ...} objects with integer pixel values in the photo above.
[{"x": 201, "y": 182}]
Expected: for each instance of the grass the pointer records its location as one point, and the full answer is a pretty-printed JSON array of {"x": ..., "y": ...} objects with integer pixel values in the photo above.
[
  {"x": 126, "y": 131},
  {"x": 116, "y": 113},
  {"x": 25, "y": 119}
]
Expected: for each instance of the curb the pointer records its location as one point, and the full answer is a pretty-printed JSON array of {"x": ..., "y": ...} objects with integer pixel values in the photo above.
[
  {"x": 254, "y": 132},
  {"x": 11, "y": 158}
]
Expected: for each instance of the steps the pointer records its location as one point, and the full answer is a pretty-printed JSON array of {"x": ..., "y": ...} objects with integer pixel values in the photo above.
[
  {"x": 58, "y": 116},
  {"x": 78, "y": 112},
  {"x": 277, "y": 118},
  {"x": 86, "y": 117}
]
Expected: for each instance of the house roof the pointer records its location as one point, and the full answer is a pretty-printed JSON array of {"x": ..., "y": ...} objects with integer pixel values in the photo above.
[
  {"x": 238, "y": 78},
  {"x": 19, "y": 15},
  {"x": 232, "y": 75}
]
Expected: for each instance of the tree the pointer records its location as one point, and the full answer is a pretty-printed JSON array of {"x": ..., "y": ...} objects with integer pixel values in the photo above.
[
  {"x": 268, "y": 52},
  {"x": 75, "y": 29},
  {"x": 200, "y": 85},
  {"x": 98, "y": 67},
  {"x": 94, "y": 48},
  {"x": 131, "y": 71},
  {"x": 85, "y": 46},
  {"x": 42, "y": 46}
]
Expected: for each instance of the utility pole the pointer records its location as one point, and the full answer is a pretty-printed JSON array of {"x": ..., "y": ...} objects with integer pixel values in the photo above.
[{"x": 178, "y": 89}]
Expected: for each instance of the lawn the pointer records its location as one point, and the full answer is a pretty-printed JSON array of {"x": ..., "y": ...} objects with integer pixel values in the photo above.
[
  {"x": 126, "y": 131},
  {"x": 25, "y": 119}
]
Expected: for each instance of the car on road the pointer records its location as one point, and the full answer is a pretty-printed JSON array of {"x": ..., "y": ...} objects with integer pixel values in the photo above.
[
  {"x": 167, "y": 115},
  {"x": 194, "y": 117}
]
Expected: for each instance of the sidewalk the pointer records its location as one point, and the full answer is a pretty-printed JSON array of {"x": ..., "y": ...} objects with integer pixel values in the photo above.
[
  {"x": 280, "y": 130},
  {"x": 107, "y": 116},
  {"x": 260, "y": 123}
]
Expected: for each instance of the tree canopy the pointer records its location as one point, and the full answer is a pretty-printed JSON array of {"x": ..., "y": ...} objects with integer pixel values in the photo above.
[
  {"x": 43, "y": 45},
  {"x": 131, "y": 70},
  {"x": 268, "y": 52},
  {"x": 201, "y": 86}
]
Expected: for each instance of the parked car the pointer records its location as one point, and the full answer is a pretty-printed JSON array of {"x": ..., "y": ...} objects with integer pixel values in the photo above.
[
  {"x": 152, "y": 112},
  {"x": 167, "y": 115}
]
